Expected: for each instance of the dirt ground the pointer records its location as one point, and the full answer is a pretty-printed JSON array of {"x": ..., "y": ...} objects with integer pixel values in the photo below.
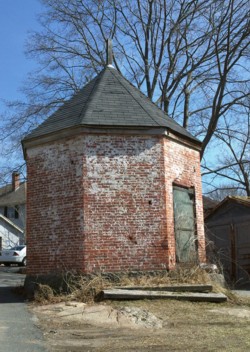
[{"x": 157, "y": 325}]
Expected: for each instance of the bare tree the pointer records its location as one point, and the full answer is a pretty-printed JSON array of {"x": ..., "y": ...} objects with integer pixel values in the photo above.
[
  {"x": 224, "y": 190},
  {"x": 189, "y": 57},
  {"x": 233, "y": 164},
  {"x": 231, "y": 43}
]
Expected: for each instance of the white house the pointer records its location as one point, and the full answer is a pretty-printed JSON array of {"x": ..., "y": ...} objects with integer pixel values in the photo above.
[{"x": 12, "y": 212}]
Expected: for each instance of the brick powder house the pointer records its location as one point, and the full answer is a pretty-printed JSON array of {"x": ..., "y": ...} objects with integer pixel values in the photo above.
[{"x": 113, "y": 185}]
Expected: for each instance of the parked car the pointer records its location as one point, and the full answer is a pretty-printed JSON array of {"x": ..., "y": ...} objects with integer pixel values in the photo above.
[{"x": 15, "y": 255}]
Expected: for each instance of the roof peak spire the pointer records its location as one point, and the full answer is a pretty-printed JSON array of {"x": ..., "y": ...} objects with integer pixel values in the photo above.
[{"x": 109, "y": 53}]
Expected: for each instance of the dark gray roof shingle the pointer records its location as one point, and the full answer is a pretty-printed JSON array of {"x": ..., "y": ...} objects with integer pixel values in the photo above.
[{"x": 108, "y": 100}]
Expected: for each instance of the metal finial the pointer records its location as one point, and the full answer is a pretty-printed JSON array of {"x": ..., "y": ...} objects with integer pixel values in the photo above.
[{"x": 109, "y": 52}]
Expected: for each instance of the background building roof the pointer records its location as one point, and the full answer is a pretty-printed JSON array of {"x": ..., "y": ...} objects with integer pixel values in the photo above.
[
  {"x": 245, "y": 201},
  {"x": 9, "y": 197}
]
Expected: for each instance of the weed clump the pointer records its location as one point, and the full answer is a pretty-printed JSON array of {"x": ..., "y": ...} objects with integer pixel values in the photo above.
[
  {"x": 43, "y": 294},
  {"x": 88, "y": 288}
]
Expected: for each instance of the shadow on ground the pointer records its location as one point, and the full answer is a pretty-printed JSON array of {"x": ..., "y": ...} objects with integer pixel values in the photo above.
[{"x": 8, "y": 295}]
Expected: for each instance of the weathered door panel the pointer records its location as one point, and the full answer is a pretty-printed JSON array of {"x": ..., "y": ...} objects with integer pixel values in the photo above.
[
  {"x": 242, "y": 252},
  {"x": 222, "y": 248},
  {"x": 184, "y": 218}
]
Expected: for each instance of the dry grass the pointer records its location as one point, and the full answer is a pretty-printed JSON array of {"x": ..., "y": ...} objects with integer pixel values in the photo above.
[
  {"x": 88, "y": 288},
  {"x": 44, "y": 294}
]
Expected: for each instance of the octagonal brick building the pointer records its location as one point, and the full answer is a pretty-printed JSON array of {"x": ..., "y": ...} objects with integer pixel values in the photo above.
[{"x": 113, "y": 185}]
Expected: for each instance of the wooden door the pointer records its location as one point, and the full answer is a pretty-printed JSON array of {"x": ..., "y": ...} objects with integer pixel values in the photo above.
[
  {"x": 184, "y": 219},
  {"x": 242, "y": 249},
  {"x": 222, "y": 243}
]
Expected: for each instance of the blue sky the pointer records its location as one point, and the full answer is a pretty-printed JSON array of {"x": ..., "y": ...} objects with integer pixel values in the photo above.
[{"x": 17, "y": 18}]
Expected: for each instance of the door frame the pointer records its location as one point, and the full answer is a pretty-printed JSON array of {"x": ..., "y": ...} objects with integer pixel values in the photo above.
[{"x": 190, "y": 191}]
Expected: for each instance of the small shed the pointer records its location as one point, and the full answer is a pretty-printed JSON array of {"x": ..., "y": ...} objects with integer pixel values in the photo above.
[
  {"x": 114, "y": 185},
  {"x": 227, "y": 231}
]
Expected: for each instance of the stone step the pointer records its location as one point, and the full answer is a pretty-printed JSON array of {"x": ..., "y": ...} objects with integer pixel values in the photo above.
[
  {"x": 124, "y": 294},
  {"x": 171, "y": 288}
]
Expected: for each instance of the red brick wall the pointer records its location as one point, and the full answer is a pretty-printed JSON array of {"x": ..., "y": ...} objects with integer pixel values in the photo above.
[
  {"x": 104, "y": 203},
  {"x": 124, "y": 208},
  {"x": 54, "y": 208},
  {"x": 182, "y": 168}
]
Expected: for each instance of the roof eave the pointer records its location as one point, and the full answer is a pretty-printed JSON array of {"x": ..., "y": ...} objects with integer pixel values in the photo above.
[
  {"x": 185, "y": 137},
  {"x": 227, "y": 200},
  {"x": 135, "y": 130},
  {"x": 11, "y": 223}
]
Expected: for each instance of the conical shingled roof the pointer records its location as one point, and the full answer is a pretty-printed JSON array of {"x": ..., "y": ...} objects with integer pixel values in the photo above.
[{"x": 109, "y": 100}]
